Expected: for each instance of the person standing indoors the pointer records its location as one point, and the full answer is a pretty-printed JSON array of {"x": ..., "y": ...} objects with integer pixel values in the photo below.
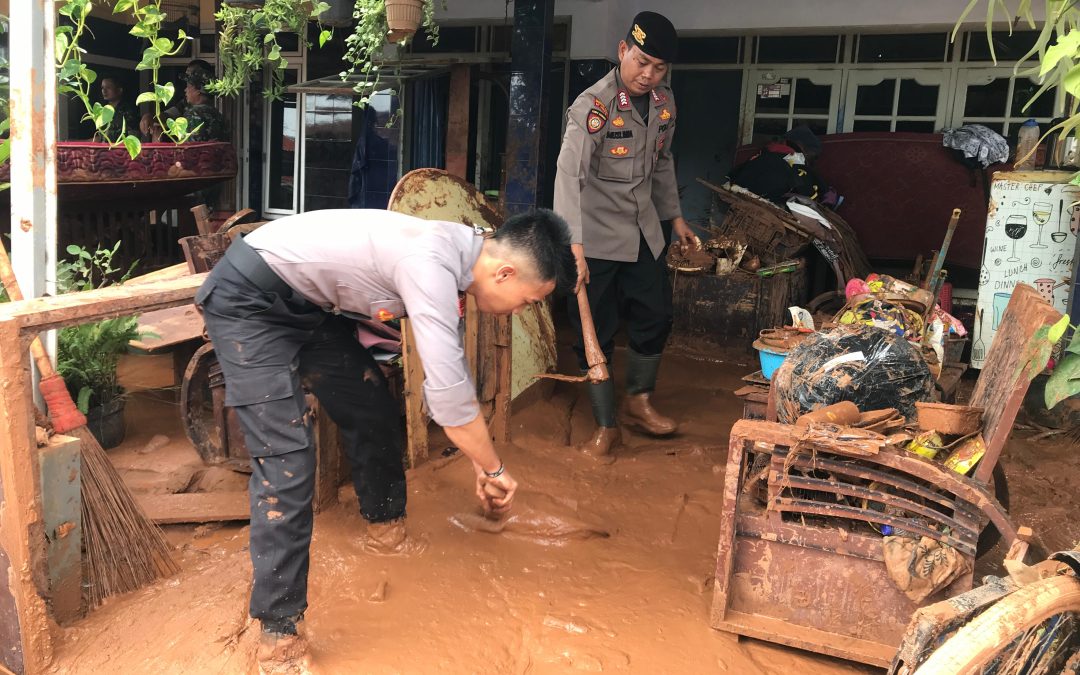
[{"x": 615, "y": 185}]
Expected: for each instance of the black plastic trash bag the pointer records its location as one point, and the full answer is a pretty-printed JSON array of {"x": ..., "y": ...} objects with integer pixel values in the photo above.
[{"x": 871, "y": 367}]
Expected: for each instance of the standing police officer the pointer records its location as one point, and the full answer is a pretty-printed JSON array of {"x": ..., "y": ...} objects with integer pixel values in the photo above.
[{"x": 615, "y": 184}]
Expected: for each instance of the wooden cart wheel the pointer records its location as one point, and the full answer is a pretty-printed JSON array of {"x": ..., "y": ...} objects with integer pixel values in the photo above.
[
  {"x": 204, "y": 427},
  {"x": 1016, "y": 630}
]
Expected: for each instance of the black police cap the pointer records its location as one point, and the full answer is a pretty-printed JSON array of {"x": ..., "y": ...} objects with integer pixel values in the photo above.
[{"x": 653, "y": 34}]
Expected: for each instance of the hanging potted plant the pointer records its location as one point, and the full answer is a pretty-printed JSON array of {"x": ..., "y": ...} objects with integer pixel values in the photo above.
[
  {"x": 379, "y": 22},
  {"x": 248, "y": 41}
]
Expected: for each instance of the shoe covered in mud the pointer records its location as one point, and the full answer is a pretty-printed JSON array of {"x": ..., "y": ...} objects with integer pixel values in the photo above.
[
  {"x": 638, "y": 411},
  {"x": 603, "y": 443},
  {"x": 282, "y": 654},
  {"x": 391, "y": 538}
]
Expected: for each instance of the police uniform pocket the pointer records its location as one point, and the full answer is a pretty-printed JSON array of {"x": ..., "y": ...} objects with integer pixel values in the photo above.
[
  {"x": 270, "y": 403},
  {"x": 617, "y": 161},
  {"x": 204, "y": 291}
]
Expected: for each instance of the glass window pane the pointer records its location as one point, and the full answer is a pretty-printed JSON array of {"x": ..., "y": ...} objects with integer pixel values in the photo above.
[
  {"x": 871, "y": 125},
  {"x": 875, "y": 99},
  {"x": 708, "y": 50},
  {"x": 810, "y": 98},
  {"x": 284, "y": 136},
  {"x": 996, "y": 126},
  {"x": 926, "y": 127},
  {"x": 766, "y": 129},
  {"x": 900, "y": 47},
  {"x": 797, "y": 48},
  {"x": 987, "y": 100},
  {"x": 1007, "y": 48},
  {"x": 1023, "y": 90},
  {"x": 917, "y": 99},
  {"x": 820, "y": 127},
  {"x": 773, "y": 105}
]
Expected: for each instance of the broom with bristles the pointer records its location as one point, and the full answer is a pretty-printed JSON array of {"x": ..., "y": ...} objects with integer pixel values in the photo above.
[{"x": 124, "y": 550}]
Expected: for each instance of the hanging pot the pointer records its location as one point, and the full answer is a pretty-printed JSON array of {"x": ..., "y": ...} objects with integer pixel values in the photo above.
[{"x": 403, "y": 18}]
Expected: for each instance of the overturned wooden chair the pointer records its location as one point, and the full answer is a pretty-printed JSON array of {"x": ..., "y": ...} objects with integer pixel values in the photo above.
[{"x": 800, "y": 558}]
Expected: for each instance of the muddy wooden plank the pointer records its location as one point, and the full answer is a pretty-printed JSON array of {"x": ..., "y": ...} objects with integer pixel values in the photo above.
[
  {"x": 1003, "y": 382},
  {"x": 70, "y": 309},
  {"x": 204, "y": 251},
  {"x": 165, "y": 328},
  {"x": 172, "y": 272},
  {"x": 200, "y": 507},
  {"x": 25, "y": 638},
  {"x": 500, "y": 422},
  {"x": 415, "y": 419}
]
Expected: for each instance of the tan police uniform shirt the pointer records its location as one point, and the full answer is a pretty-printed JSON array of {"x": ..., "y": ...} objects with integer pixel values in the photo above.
[
  {"x": 384, "y": 265},
  {"x": 616, "y": 175}
]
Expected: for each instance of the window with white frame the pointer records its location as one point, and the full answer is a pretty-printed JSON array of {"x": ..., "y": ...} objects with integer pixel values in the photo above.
[
  {"x": 281, "y": 143},
  {"x": 1001, "y": 101},
  {"x": 882, "y": 100}
]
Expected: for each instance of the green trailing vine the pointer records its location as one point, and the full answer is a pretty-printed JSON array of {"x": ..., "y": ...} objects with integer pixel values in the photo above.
[
  {"x": 248, "y": 42},
  {"x": 363, "y": 53},
  {"x": 148, "y": 20},
  {"x": 76, "y": 78}
]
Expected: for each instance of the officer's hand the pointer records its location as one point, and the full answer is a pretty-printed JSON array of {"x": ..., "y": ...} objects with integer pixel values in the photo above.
[
  {"x": 687, "y": 238},
  {"x": 496, "y": 494},
  {"x": 582, "y": 266}
]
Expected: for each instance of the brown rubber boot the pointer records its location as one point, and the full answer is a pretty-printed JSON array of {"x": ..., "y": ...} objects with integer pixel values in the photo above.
[
  {"x": 603, "y": 443},
  {"x": 390, "y": 538},
  {"x": 641, "y": 373},
  {"x": 279, "y": 654},
  {"x": 638, "y": 411}
]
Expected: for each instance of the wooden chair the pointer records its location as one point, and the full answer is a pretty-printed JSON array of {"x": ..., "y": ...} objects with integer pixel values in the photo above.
[{"x": 800, "y": 560}]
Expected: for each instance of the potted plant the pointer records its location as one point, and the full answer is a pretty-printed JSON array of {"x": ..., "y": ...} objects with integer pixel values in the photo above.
[
  {"x": 88, "y": 354},
  {"x": 379, "y": 23},
  {"x": 248, "y": 40}
]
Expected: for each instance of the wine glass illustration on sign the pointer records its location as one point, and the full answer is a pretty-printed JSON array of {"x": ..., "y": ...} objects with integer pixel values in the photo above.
[
  {"x": 1058, "y": 235},
  {"x": 1041, "y": 211},
  {"x": 1015, "y": 228}
]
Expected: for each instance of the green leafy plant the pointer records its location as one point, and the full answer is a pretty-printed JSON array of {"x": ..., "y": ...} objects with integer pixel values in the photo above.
[
  {"x": 87, "y": 355},
  {"x": 364, "y": 47},
  {"x": 1064, "y": 381},
  {"x": 248, "y": 42},
  {"x": 76, "y": 78}
]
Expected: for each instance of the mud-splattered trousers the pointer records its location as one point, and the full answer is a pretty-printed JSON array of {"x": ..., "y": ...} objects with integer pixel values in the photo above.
[
  {"x": 638, "y": 293},
  {"x": 271, "y": 344}
]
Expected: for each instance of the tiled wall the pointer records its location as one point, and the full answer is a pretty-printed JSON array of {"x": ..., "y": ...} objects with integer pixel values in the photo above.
[
  {"x": 383, "y": 141},
  {"x": 332, "y": 125},
  {"x": 328, "y": 151}
]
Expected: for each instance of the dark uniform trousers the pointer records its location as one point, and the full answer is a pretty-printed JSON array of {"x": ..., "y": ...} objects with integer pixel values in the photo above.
[
  {"x": 639, "y": 292},
  {"x": 270, "y": 341}
]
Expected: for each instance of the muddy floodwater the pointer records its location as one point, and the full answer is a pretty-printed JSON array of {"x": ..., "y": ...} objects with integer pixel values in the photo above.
[{"x": 606, "y": 568}]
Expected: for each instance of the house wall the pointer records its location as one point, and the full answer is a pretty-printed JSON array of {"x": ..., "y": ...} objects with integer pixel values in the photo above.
[{"x": 598, "y": 25}]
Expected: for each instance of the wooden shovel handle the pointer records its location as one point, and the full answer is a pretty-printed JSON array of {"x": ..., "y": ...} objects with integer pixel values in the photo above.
[
  {"x": 11, "y": 285},
  {"x": 594, "y": 356}
]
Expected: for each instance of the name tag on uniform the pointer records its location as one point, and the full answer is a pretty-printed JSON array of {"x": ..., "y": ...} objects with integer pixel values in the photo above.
[{"x": 620, "y": 134}]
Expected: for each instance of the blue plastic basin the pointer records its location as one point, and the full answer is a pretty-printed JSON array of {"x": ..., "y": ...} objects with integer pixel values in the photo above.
[{"x": 770, "y": 361}]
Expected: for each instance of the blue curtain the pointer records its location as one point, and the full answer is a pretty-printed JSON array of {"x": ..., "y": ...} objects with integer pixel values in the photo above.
[{"x": 426, "y": 118}]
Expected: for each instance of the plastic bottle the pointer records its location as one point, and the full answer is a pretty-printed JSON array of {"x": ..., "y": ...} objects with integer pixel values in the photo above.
[{"x": 1026, "y": 140}]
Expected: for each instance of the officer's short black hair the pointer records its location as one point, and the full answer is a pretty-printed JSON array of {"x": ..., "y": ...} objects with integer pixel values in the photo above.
[{"x": 543, "y": 237}]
